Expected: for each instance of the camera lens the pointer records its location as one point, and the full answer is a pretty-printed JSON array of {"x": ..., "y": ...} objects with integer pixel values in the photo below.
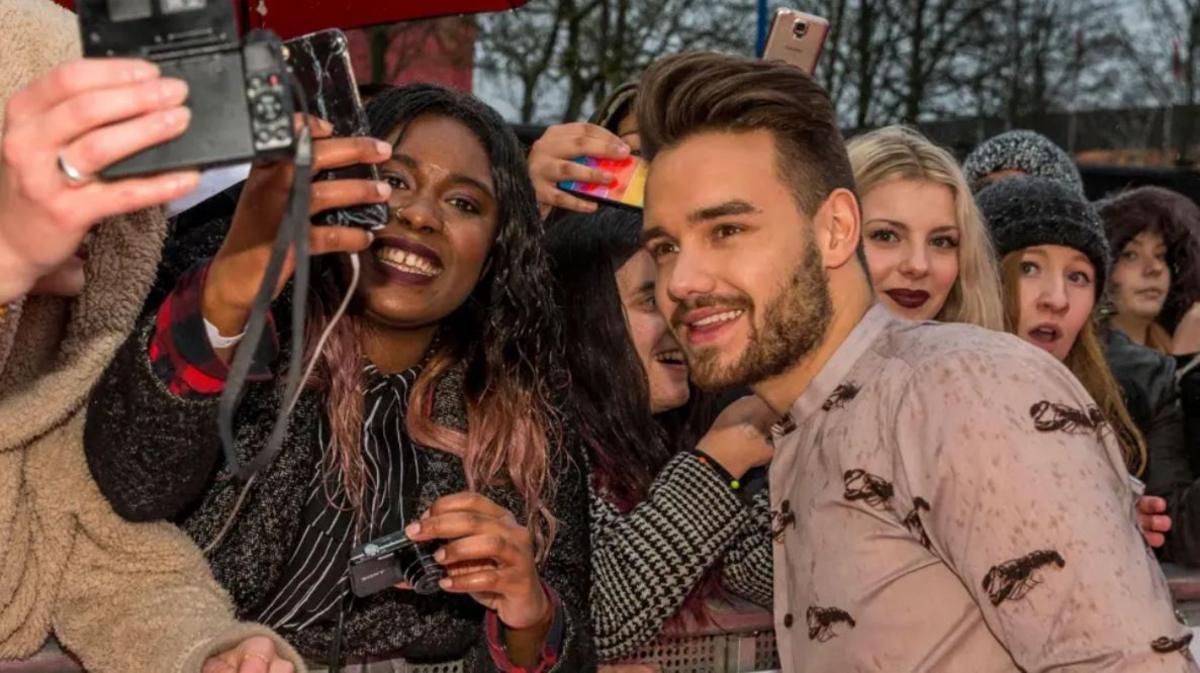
[
  {"x": 800, "y": 29},
  {"x": 420, "y": 570}
]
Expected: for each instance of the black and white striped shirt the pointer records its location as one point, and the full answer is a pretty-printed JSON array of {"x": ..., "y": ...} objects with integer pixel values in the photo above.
[{"x": 315, "y": 580}]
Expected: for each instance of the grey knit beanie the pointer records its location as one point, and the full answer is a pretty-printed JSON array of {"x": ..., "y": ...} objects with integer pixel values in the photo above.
[
  {"x": 1024, "y": 211},
  {"x": 1026, "y": 151}
]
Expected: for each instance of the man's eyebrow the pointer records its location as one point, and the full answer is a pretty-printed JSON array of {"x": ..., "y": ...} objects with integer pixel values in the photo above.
[
  {"x": 651, "y": 234},
  {"x": 734, "y": 207}
]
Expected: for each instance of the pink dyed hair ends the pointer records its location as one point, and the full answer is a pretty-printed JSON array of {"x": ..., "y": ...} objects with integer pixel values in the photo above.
[{"x": 507, "y": 441}]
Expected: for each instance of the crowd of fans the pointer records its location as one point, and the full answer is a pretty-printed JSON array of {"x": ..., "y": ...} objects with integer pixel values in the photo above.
[{"x": 933, "y": 416}]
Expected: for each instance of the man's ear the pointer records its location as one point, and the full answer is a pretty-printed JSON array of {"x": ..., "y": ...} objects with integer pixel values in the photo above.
[{"x": 838, "y": 228}]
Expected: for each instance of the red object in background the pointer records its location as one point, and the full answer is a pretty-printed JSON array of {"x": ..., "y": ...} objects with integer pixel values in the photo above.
[
  {"x": 291, "y": 18},
  {"x": 437, "y": 50}
]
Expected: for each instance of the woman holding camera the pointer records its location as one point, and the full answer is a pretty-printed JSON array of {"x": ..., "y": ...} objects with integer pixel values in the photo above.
[{"x": 434, "y": 410}]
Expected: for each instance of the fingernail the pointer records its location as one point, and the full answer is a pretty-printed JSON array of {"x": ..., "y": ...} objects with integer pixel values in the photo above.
[
  {"x": 383, "y": 189},
  {"x": 325, "y": 125},
  {"x": 370, "y": 238},
  {"x": 171, "y": 89},
  {"x": 607, "y": 177},
  {"x": 186, "y": 181},
  {"x": 439, "y": 555},
  {"x": 383, "y": 148},
  {"x": 412, "y": 529},
  {"x": 143, "y": 70},
  {"x": 445, "y": 583},
  {"x": 176, "y": 117},
  {"x": 425, "y": 515},
  {"x": 621, "y": 148}
]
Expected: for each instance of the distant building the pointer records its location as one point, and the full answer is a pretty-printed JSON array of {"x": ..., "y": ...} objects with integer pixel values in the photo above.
[{"x": 1147, "y": 137}]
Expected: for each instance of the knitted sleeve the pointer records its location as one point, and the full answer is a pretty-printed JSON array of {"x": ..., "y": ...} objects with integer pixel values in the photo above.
[
  {"x": 132, "y": 598},
  {"x": 567, "y": 570},
  {"x": 645, "y": 563},
  {"x": 747, "y": 568},
  {"x": 151, "y": 452},
  {"x": 151, "y": 435}
]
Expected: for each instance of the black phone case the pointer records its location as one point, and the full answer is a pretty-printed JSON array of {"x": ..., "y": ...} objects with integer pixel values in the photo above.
[{"x": 321, "y": 63}]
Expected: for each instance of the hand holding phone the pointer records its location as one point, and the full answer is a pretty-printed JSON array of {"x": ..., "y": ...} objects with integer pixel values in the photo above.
[
  {"x": 552, "y": 161},
  {"x": 627, "y": 188},
  {"x": 321, "y": 63}
]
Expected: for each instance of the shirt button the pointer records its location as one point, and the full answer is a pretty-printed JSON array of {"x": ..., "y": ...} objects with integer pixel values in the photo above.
[
  {"x": 785, "y": 426},
  {"x": 787, "y": 621}
]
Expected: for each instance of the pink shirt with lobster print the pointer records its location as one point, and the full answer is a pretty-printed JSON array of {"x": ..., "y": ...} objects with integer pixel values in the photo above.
[{"x": 949, "y": 499}]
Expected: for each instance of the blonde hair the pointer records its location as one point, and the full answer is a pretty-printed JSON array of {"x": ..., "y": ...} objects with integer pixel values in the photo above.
[
  {"x": 1087, "y": 362},
  {"x": 900, "y": 153}
]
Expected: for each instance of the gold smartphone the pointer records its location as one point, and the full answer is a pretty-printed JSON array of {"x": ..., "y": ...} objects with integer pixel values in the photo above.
[{"x": 796, "y": 38}]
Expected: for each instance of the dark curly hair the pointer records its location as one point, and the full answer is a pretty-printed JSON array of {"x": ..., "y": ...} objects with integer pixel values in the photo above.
[
  {"x": 505, "y": 338},
  {"x": 1131, "y": 212}
]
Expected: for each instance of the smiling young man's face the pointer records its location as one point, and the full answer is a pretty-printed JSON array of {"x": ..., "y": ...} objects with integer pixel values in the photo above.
[{"x": 741, "y": 278}]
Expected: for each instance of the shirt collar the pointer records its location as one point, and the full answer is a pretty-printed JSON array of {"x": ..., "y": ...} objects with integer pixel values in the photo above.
[{"x": 836, "y": 369}]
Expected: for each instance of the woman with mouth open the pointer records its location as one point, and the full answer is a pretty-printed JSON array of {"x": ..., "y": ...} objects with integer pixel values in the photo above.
[
  {"x": 926, "y": 246},
  {"x": 435, "y": 410},
  {"x": 674, "y": 514},
  {"x": 1053, "y": 264}
]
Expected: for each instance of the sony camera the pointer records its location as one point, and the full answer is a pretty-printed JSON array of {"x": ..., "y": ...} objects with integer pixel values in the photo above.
[
  {"x": 239, "y": 92},
  {"x": 393, "y": 558}
]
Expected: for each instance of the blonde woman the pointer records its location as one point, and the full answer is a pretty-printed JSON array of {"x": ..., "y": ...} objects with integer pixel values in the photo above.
[{"x": 926, "y": 245}]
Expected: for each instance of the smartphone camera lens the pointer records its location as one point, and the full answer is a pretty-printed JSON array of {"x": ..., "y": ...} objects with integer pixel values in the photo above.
[{"x": 800, "y": 29}]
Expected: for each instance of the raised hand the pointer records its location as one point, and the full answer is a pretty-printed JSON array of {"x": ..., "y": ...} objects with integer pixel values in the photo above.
[
  {"x": 59, "y": 131},
  {"x": 550, "y": 162}
]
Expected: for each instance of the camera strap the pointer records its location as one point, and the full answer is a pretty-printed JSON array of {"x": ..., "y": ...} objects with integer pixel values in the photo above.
[{"x": 292, "y": 236}]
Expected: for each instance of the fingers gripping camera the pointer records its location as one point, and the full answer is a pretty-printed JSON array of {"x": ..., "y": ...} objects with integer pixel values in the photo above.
[
  {"x": 240, "y": 99},
  {"x": 386, "y": 561}
]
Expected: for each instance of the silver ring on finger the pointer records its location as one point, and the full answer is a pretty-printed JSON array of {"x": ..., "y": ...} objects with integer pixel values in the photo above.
[{"x": 72, "y": 175}]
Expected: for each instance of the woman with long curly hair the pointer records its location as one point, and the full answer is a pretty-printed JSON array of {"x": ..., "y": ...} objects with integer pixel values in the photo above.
[
  {"x": 434, "y": 411},
  {"x": 1153, "y": 336},
  {"x": 1156, "y": 267}
]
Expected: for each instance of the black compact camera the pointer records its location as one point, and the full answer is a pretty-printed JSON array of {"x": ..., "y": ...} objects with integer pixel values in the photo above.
[
  {"x": 239, "y": 92},
  {"x": 393, "y": 558}
]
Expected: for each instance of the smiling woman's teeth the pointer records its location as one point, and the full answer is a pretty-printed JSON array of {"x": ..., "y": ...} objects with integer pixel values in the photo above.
[
  {"x": 718, "y": 318},
  {"x": 670, "y": 357},
  {"x": 407, "y": 261}
]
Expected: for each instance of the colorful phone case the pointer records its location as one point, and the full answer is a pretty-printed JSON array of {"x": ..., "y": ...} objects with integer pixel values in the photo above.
[{"x": 628, "y": 189}]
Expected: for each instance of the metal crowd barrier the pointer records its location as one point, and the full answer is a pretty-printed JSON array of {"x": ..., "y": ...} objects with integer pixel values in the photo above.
[{"x": 740, "y": 638}]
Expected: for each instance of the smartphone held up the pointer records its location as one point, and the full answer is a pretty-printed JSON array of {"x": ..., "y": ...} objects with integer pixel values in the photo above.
[
  {"x": 320, "y": 62},
  {"x": 627, "y": 189},
  {"x": 796, "y": 38}
]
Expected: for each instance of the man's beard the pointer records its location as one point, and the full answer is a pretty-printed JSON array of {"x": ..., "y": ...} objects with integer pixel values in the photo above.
[{"x": 794, "y": 325}]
